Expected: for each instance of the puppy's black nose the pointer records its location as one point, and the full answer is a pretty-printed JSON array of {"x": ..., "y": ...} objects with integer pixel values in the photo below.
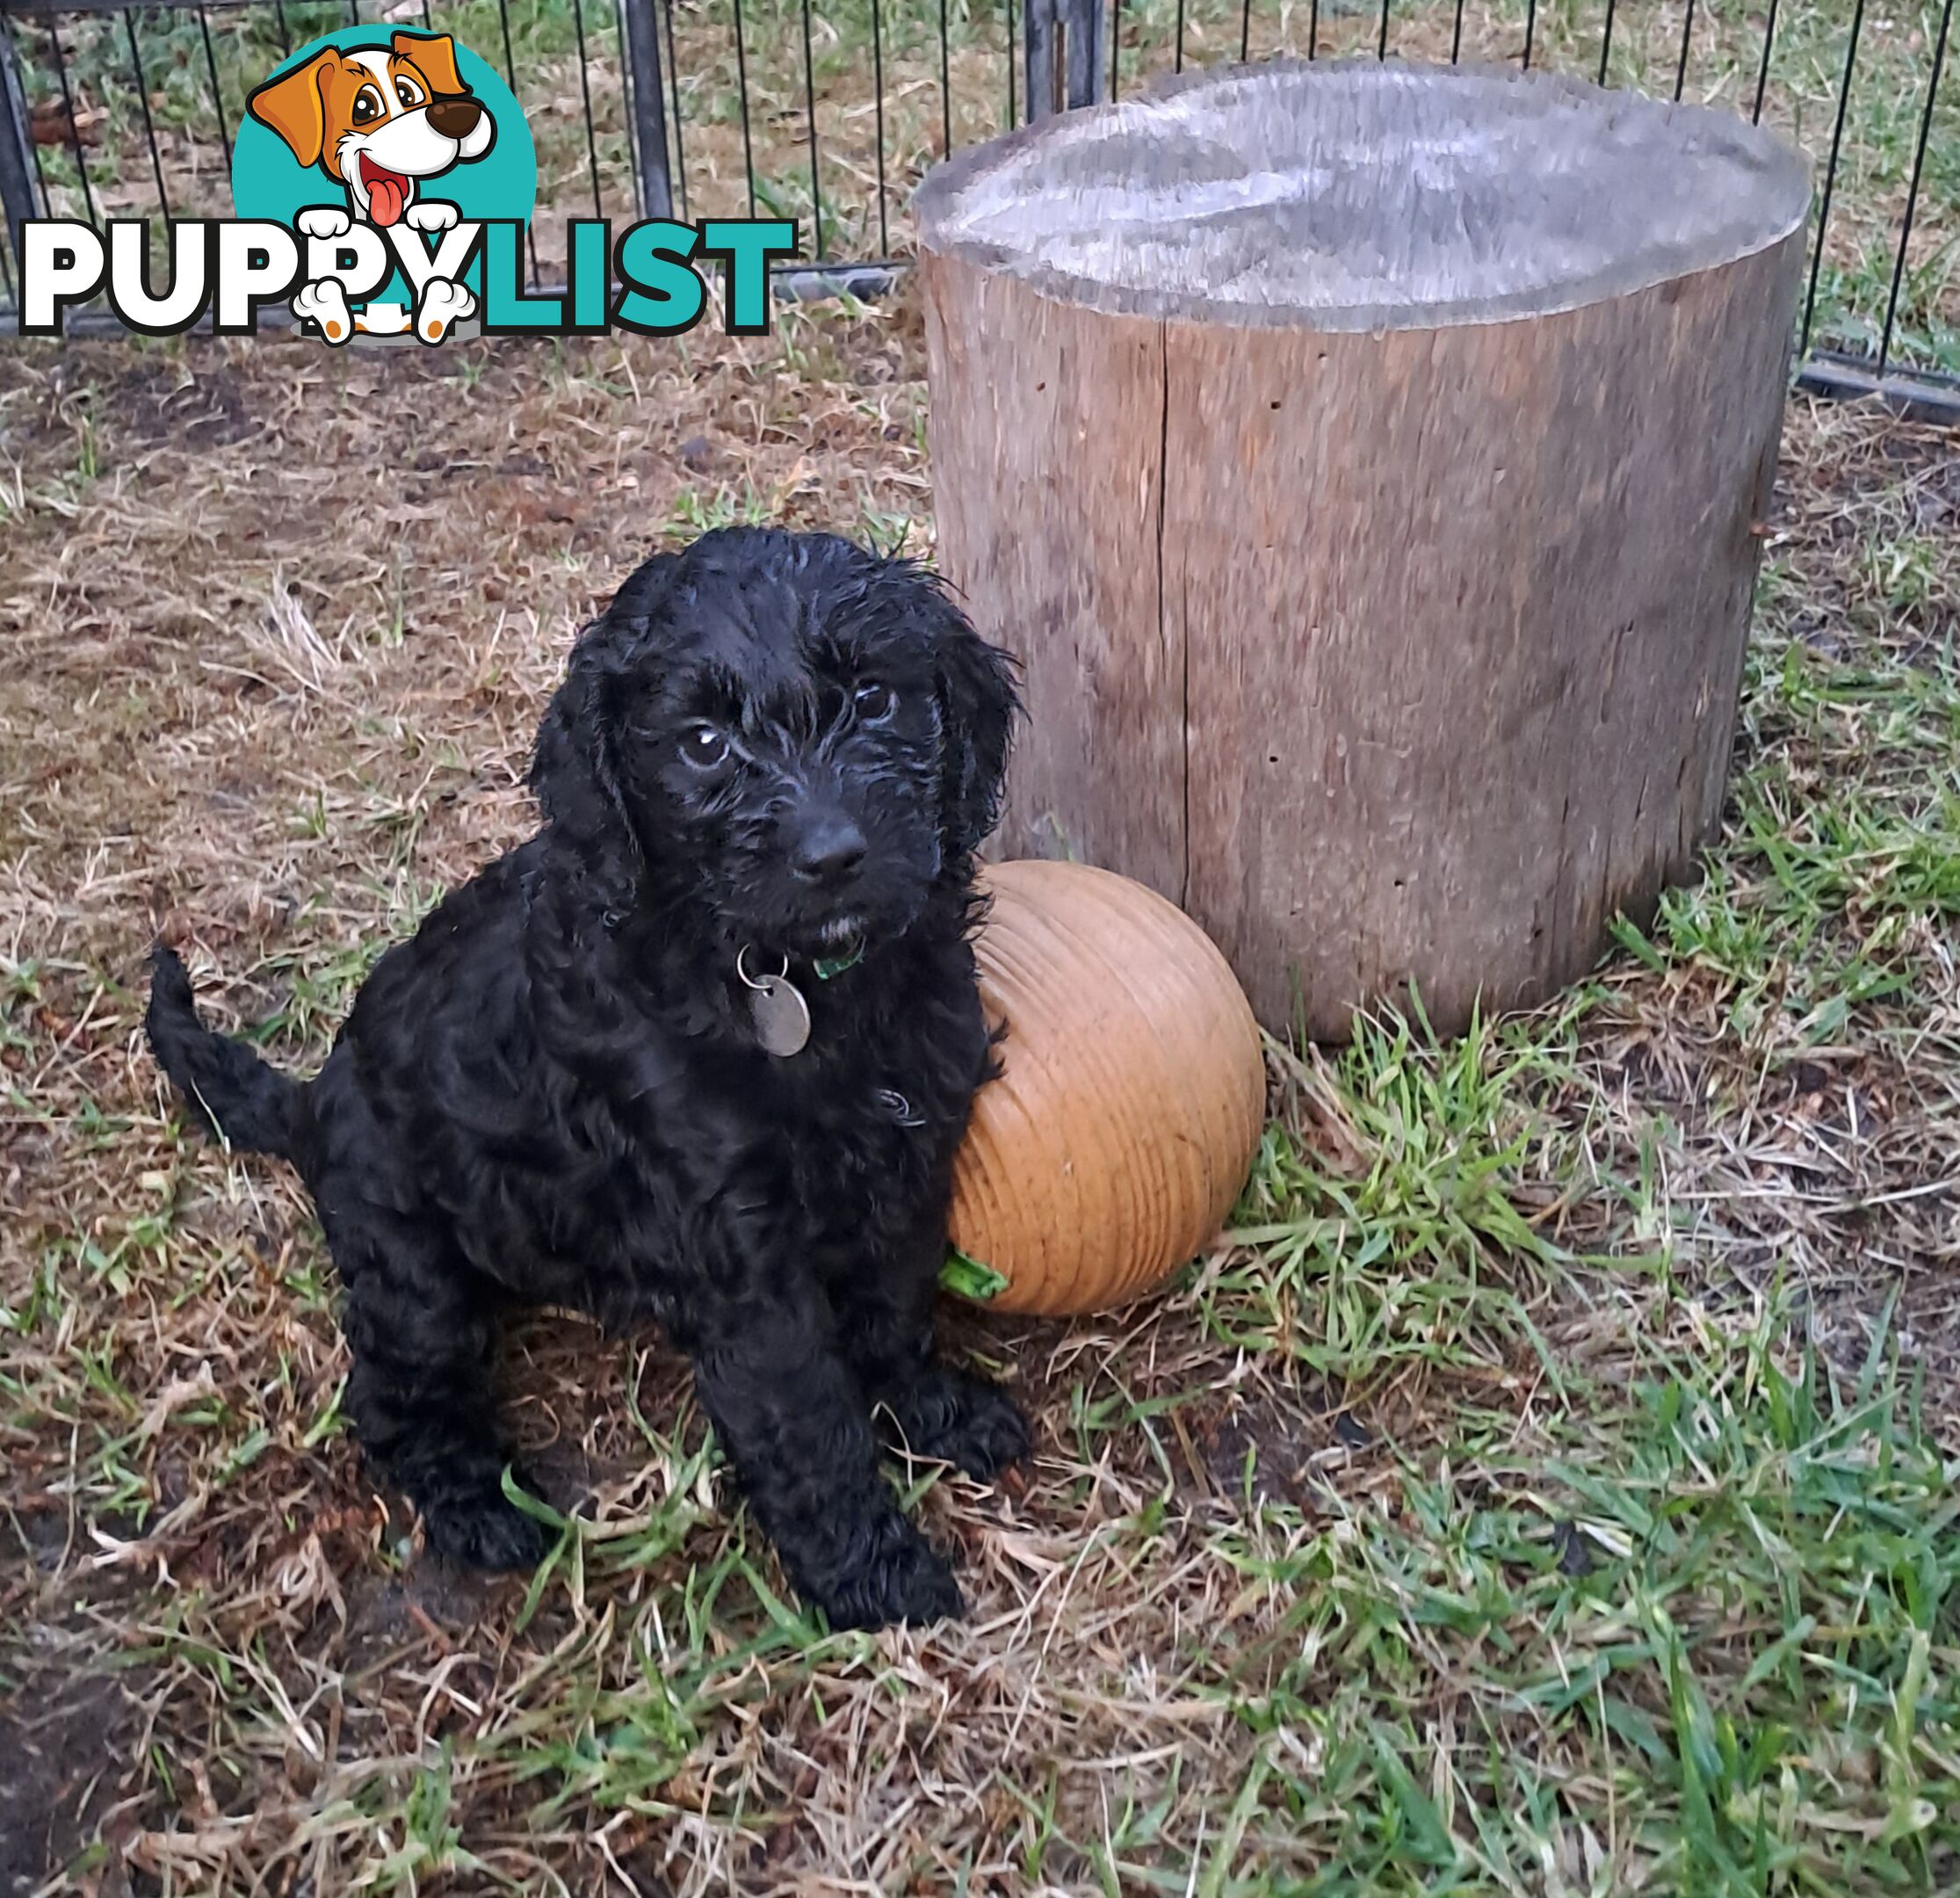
[
  {"x": 829, "y": 847},
  {"x": 454, "y": 118}
]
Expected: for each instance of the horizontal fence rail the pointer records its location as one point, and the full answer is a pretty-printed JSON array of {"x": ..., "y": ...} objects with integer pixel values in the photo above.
[{"x": 830, "y": 111}]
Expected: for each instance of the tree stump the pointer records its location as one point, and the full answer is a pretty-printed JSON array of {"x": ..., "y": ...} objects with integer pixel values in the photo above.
[{"x": 1368, "y": 463}]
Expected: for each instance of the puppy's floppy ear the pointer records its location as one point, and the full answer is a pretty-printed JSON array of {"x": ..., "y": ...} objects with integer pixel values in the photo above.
[
  {"x": 977, "y": 708},
  {"x": 294, "y": 107},
  {"x": 434, "y": 56},
  {"x": 574, "y": 771}
]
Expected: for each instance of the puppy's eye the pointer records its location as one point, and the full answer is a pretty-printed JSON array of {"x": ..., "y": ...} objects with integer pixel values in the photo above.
[
  {"x": 875, "y": 703},
  {"x": 367, "y": 106},
  {"x": 408, "y": 91},
  {"x": 703, "y": 746}
]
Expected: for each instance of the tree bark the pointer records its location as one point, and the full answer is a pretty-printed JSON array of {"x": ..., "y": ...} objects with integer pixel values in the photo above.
[{"x": 1398, "y": 639}]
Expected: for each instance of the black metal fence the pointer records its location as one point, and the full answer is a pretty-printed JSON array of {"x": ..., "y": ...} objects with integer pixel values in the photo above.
[{"x": 830, "y": 109}]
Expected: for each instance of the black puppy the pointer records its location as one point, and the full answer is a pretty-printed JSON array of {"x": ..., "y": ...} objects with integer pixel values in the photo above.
[{"x": 763, "y": 780}]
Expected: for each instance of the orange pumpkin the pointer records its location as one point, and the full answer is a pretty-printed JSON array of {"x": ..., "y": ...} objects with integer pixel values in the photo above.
[{"x": 1131, "y": 1095}]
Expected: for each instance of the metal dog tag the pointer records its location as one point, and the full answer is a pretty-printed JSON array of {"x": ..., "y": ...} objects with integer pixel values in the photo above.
[{"x": 781, "y": 1015}]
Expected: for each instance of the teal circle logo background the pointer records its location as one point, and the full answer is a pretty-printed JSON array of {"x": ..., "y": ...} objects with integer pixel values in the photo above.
[{"x": 268, "y": 182}]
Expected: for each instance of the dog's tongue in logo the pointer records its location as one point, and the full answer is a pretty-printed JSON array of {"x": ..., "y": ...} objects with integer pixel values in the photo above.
[{"x": 387, "y": 192}]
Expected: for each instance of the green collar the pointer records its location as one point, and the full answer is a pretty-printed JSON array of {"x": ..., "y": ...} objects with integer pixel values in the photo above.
[{"x": 825, "y": 967}]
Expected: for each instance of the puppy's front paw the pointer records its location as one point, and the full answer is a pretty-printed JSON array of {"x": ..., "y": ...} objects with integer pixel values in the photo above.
[
  {"x": 324, "y": 220},
  {"x": 430, "y": 214},
  {"x": 961, "y": 1420},
  {"x": 899, "y": 1577},
  {"x": 484, "y": 1530}
]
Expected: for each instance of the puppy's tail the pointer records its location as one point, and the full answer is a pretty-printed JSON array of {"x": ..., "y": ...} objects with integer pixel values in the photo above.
[{"x": 229, "y": 1089}]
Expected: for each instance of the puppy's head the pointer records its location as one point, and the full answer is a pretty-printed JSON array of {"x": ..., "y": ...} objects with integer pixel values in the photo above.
[
  {"x": 376, "y": 119},
  {"x": 802, "y": 736}
]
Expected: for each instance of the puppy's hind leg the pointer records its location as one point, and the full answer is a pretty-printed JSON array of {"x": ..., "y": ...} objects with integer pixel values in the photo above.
[{"x": 420, "y": 1326}]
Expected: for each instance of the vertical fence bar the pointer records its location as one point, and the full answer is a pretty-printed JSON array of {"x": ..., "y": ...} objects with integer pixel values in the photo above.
[
  {"x": 1762, "y": 71},
  {"x": 1606, "y": 43},
  {"x": 1073, "y": 28},
  {"x": 945, "y": 85},
  {"x": 217, "y": 90},
  {"x": 1115, "y": 40},
  {"x": 46, "y": 198},
  {"x": 142, "y": 99},
  {"x": 1178, "y": 61},
  {"x": 878, "y": 114},
  {"x": 645, "y": 109},
  {"x": 1313, "y": 27},
  {"x": 810, "y": 113},
  {"x": 1245, "y": 32},
  {"x": 1831, "y": 170},
  {"x": 73, "y": 129},
  {"x": 1085, "y": 51},
  {"x": 16, "y": 151},
  {"x": 1687, "y": 36},
  {"x": 748, "y": 135},
  {"x": 1913, "y": 190},
  {"x": 1038, "y": 28},
  {"x": 1013, "y": 64},
  {"x": 674, "y": 99},
  {"x": 1456, "y": 35},
  {"x": 1530, "y": 31},
  {"x": 1381, "y": 42},
  {"x": 585, "y": 92},
  {"x": 511, "y": 75}
]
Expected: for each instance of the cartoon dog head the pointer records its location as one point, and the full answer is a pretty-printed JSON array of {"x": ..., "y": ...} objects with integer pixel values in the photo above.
[{"x": 375, "y": 119}]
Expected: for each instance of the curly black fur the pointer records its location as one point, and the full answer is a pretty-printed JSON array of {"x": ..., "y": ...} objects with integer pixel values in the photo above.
[{"x": 771, "y": 742}]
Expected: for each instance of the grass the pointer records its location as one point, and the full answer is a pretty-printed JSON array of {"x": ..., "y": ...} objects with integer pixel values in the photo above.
[
  {"x": 1548, "y": 1486},
  {"x": 1391, "y": 1260},
  {"x": 1636, "y": 1624},
  {"x": 873, "y": 145}
]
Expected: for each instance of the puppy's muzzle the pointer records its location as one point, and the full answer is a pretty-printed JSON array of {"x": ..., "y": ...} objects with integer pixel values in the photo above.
[
  {"x": 455, "y": 118},
  {"x": 826, "y": 848}
]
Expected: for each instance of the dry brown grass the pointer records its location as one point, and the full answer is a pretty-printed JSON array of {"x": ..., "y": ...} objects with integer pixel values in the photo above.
[{"x": 277, "y": 624}]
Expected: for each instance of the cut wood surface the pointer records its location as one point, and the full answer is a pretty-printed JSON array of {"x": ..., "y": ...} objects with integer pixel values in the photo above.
[{"x": 1368, "y": 463}]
